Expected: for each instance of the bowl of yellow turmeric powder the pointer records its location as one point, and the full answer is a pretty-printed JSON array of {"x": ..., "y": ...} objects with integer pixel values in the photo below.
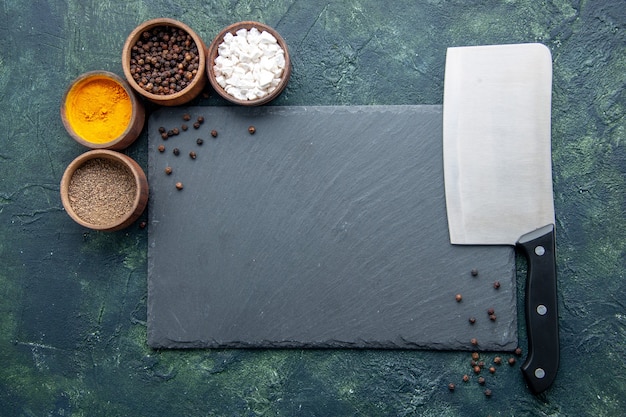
[{"x": 100, "y": 111}]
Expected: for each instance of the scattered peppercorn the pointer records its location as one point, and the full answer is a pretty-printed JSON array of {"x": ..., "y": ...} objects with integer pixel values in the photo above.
[
  {"x": 492, "y": 317},
  {"x": 164, "y": 135},
  {"x": 477, "y": 369},
  {"x": 170, "y": 132},
  {"x": 161, "y": 148},
  {"x": 199, "y": 141},
  {"x": 251, "y": 130},
  {"x": 511, "y": 361},
  {"x": 481, "y": 380},
  {"x": 184, "y": 127},
  {"x": 192, "y": 155},
  {"x": 179, "y": 185},
  {"x": 472, "y": 320},
  {"x": 492, "y": 370},
  {"x": 490, "y": 311},
  {"x": 474, "y": 341},
  {"x": 175, "y": 131},
  {"x": 496, "y": 285},
  {"x": 518, "y": 351},
  {"x": 473, "y": 363},
  {"x": 466, "y": 378},
  {"x": 458, "y": 298},
  {"x": 162, "y": 129},
  {"x": 142, "y": 225},
  {"x": 481, "y": 364},
  {"x": 451, "y": 386},
  {"x": 214, "y": 133},
  {"x": 474, "y": 272},
  {"x": 196, "y": 125},
  {"x": 200, "y": 119},
  {"x": 497, "y": 360},
  {"x": 176, "y": 151},
  {"x": 487, "y": 392},
  {"x": 475, "y": 355},
  {"x": 186, "y": 117},
  {"x": 168, "y": 170}
]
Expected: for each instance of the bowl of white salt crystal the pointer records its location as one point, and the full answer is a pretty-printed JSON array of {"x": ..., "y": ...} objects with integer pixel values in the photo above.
[{"x": 248, "y": 63}]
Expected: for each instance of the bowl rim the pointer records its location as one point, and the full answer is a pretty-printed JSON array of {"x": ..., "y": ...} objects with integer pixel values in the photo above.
[
  {"x": 79, "y": 161},
  {"x": 137, "y": 114},
  {"x": 213, "y": 52},
  {"x": 134, "y": 36}
]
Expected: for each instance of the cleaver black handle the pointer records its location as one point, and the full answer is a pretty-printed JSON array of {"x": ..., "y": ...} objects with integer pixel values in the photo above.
[{"x": 542, "y": 320}]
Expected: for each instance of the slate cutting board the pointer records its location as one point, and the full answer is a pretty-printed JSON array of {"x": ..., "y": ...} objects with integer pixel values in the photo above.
[{"x": 326, "y": 228}]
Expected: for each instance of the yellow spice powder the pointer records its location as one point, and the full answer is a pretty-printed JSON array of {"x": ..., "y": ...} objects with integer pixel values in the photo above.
[{"x": 99, "y": 110}]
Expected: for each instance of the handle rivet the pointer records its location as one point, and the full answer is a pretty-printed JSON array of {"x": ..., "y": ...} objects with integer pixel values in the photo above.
[
  {"x": 540, "y": 250},
  {"x": 542, "y": 310},
  {"x": 540, "y": 373}
]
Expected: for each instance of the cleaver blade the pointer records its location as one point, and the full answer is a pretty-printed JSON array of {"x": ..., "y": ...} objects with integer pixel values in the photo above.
[{"x": 498, "y": 175}]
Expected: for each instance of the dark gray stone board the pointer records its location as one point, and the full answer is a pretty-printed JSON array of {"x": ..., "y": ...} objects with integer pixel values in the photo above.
[{"x": 326, "y": 228}]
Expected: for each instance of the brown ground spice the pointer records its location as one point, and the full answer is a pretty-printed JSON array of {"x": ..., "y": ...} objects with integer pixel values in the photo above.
[{"x": 102, "y": 191}]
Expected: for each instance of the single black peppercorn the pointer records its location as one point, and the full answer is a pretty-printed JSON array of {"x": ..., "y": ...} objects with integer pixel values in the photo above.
[
  {"x": 196, "y": 125},
  {"x": 490, "y": 311},
  {"x": 458, "y": 298},
  {"x": 168, "y": 170},
  {"x": 472, "y": 320},
  {"x": 214, "y": 133},
  {"x": 481, "y": 380},
  {"x": 162, "y": 129},
  {"x": 200, "y": 119},
  {"x": 251, "y": 130},
  {"x": 171, "y": 132},
  {"x": 184, "y": 127},
  {"x": 186, "y": 117},
  {"x": 161, "y": 148},
  {"x": 474, "y": 272},
  {"x": 192, "y": 155},
  {"x": 451, "y": 386},
  {"x": 175, "y": 131},
  {"x": 175, "y": 151},
  {"x": 466, "y": 378},
  {"x": 496, "y": 285},
  {"x": 179, "y": 185},
  {"x": 199, "y": 141},
  {"x": 487, "y": 392},
  {"x": 164, "y": 136}
]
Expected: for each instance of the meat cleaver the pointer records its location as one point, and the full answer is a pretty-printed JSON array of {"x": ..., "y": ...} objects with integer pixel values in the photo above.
[{"x": 498, "y": 175}]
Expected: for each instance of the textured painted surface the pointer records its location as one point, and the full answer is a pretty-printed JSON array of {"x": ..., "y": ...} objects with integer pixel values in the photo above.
[{"x": 72, "y": 301}]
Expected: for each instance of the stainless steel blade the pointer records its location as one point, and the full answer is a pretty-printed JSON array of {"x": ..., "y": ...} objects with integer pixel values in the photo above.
[{"x": 496, "y": 137}]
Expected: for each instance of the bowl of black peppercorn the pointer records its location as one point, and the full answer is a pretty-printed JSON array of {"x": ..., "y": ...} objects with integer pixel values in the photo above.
[{"x": 164, "y": 61}]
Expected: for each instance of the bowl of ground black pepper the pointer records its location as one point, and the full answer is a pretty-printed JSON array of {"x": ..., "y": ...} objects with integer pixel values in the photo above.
[
  {"x": 104, "y": 190},
  {"x": 164, "y": 61},
  {"x": 100, "y": 111}
]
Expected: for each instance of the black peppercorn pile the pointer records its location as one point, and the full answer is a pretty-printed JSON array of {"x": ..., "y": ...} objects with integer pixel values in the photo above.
[{"x": 164, "y": 60}]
